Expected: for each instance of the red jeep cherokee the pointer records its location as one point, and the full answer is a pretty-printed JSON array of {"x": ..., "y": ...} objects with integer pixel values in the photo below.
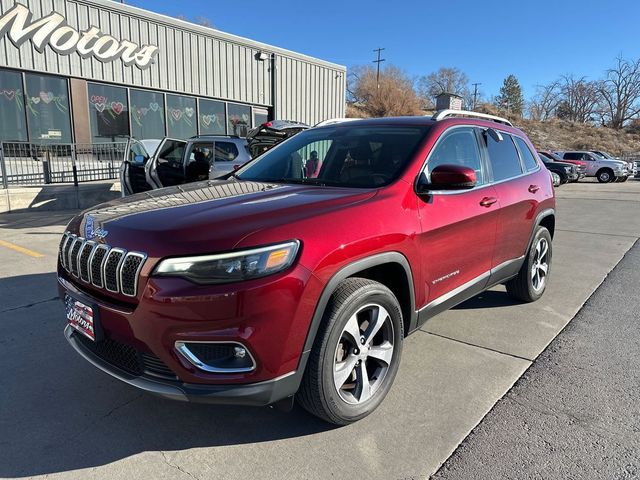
[{"x": 269, "y": 283}]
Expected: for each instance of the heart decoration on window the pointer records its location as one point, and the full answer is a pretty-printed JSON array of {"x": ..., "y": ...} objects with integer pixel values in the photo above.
[
  {"x": 189, "y": 111},
  {"x": 35, "y": 100},
  {"x": 206, "y": 120},
  {"x": 117, "y": 107},
  {"x": 99, "y": 106},
  {"x": 47, "y": 97},
  {"x": 154, "y": 106},
  {"x": 9, "y": 94},
  {"x": 176, "y": 114}
]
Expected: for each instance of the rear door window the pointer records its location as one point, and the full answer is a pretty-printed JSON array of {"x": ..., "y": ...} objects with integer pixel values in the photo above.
[
  {"x": 573, "y": 156},
  {"x": 226, "y": 151},
  {"x": 530, "y": 163},
  {"x": 458, "y": 147},
  {"x": 503, "y": 157}
]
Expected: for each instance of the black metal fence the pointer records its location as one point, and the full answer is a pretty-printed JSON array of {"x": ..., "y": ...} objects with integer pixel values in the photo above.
[{"x": 37, "y": 164}]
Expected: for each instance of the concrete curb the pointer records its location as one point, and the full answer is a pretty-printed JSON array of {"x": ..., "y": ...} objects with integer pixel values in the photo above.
[{"x": 58, "y": 197}]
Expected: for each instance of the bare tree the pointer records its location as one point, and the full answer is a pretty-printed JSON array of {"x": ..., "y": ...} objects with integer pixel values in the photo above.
[
  {"x": 620, "y": 93},
  {"x": 395, "y": 96},
  {"x": 445, "y": 80},
  {"x": 545, "y": 102},
  {"x": 579, "y": 99}
]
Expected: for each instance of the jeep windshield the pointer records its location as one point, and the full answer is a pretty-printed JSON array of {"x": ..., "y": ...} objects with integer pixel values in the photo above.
[{"x": 358, "y": 156}]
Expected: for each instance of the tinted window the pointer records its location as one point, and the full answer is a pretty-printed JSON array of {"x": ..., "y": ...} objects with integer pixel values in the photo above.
[
  {"x": 181, "y": 116},
  {"x": 458, "y": 147},
  {"x": 108, "y": 112},
  {"x": 12, "y": 120},
  {"x": 212, "y": 117},
  {"x": 226, "y": 151},
  {"x": 573, "y": 156},
  {"x": 147, "y": 114},
  {"x": 360, "y": 156},
  {"x": 503, "y": 156},
  {"x": 239, "y": 119},
  {"x": 48, "y": 108},
  {"x": 528, "y": 159}
]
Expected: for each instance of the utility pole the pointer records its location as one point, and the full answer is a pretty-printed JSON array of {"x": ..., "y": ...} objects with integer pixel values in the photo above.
[
  {"x": 475, "y": 94},
  {"x": 378, "y": 61}
]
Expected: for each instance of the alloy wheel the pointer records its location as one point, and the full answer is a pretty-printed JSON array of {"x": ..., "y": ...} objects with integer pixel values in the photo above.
[
  {"x": 540, "y": 265},
  {"x": 363, "y": 354}
]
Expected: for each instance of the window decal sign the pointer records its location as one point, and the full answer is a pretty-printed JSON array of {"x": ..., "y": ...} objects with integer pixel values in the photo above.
[{"x": 54, "y": 31}]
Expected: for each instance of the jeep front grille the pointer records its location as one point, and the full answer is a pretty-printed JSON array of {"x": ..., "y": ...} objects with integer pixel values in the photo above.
[{"x": 113, "y": 269}]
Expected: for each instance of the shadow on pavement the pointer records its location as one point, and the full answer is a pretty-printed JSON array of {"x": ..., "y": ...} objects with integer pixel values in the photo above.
[
  {"x": 29, "y": 219},
  {"x": 58, "y": 413},
  {"x": 488, "y": 299}
]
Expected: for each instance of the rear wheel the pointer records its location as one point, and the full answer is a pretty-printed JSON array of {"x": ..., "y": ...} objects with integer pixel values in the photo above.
[
  {"x": 356, "y": 353},
  {"x": 531, "y": 281},
  {"x": 605, "y": 175}
]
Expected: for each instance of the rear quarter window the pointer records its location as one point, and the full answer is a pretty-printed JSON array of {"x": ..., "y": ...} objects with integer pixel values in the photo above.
[
  {"x": 530, "y": 163},
  {"x": 503, "y": 157}
]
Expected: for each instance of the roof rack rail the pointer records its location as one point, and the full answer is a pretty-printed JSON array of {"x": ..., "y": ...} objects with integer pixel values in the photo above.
[
  {"x": 442, "y": 114},
  {"x": 214, "y": 135}
]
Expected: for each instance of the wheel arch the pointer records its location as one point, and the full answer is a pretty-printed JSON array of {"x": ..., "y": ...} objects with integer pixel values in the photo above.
[
  {"x": 546, "y": 218},
  {"x": 391, "y": 269}
]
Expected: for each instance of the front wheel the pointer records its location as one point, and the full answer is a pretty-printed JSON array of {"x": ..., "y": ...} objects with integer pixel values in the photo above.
[
  {"x": 605, "y": 175},
  {"x": 531, "y": 281},
  {"x": 356, "y": 353}
]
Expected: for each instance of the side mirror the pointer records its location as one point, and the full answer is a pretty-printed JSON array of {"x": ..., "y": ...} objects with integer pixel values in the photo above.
[
  {"x": 449, "y": 177},
  {"x": 236, "y": 167}
]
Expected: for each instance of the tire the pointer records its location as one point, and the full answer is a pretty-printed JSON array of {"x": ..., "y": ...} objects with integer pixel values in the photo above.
[
  {"x": 605, "y": 175},
  {"x": 562, "y": 175},
  {"x": 623, "y": 179},
  {"x": 523, "y": 286},
  {"x": 359, "y": 299}
]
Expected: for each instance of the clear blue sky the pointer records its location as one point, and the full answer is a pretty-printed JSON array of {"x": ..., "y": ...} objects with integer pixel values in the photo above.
[{"x": 537, "y": 40}]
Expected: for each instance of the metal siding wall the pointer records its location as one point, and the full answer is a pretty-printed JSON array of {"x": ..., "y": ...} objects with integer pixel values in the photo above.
[{"x": 189, "y": 62}]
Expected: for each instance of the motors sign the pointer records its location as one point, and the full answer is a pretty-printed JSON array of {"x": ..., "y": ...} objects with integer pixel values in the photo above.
[{"x": 54, "y": 31}]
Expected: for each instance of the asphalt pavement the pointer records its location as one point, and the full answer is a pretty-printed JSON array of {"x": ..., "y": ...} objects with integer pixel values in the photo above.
[
  {"x": 575, "y": 413},
  {"x": 61, "y": 417}
]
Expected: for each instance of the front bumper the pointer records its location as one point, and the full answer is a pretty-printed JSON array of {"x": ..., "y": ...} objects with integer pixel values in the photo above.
[
  {"x": 256, "y": 394},
  {"x": 269, "y": 316}
]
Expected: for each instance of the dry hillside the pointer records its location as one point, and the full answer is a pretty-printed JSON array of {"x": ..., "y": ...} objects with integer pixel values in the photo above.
[{"x": 561, "y": 135}]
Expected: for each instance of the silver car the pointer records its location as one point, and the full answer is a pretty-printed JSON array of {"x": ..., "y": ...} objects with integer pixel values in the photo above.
[
  {"x": 176, "y": 162},
  {"x": 604, "y": 169}
]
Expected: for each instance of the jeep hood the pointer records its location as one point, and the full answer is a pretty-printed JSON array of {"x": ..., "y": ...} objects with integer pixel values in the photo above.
[{"x": 207, "y": 216}]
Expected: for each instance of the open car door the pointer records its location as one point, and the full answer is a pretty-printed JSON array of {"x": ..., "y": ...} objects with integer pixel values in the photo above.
[
  {"x": 167, "y": 166},
  {"x": 132, "y": 171}
]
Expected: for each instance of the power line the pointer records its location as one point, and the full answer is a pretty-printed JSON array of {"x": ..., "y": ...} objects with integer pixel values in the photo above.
[{"x": 378, "y": 61}]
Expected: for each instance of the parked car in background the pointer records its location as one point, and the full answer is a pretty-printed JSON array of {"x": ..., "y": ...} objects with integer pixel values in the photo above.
[
  {"x": 555, "y": 178},
  {"x": 269, "y": 134},
  {"x": 580, "y": 165},
  {"x": 634, "y": 166},
  {"x": 604, "y": 169},
  {"x": 568, "y": 172},
  {"x": 152, "y": 164},
  {"x": 273, "y": 282}
]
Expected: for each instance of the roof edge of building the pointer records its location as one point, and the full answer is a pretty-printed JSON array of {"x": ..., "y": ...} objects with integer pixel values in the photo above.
[{"x": 212, "y": 32}]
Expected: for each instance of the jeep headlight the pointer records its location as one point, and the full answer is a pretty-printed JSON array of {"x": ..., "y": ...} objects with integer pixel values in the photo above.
[{"x": 232, "y": 266}]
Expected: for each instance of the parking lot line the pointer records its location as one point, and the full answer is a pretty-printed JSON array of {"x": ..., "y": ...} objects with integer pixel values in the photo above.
[{"x": 20, "y": 249}]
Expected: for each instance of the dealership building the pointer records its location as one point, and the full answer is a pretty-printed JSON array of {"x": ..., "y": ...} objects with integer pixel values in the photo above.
[{"x": 95, "y": 71}]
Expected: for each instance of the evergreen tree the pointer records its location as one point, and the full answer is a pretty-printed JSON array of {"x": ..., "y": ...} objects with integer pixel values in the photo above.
[{"x": 510, "y": 98}]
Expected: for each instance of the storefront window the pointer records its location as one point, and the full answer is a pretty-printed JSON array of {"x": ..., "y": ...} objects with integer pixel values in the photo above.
[
  {"x": 48, "y": 108},
  {"x": 181, "y": 117},
  {"x": 239, "y": 119},
  {"x": 212, "y": 117},
  {"x": 147, "y": 114},
  {"x": 13, "y": 126},
  {"x": 260, "y": 116},
  {"x": 108, "y": 113}
]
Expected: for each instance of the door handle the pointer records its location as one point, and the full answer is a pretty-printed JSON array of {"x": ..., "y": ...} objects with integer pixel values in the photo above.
[
  {"x": 488, "y": 201},
  {"x": 534, "y": 188}
]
